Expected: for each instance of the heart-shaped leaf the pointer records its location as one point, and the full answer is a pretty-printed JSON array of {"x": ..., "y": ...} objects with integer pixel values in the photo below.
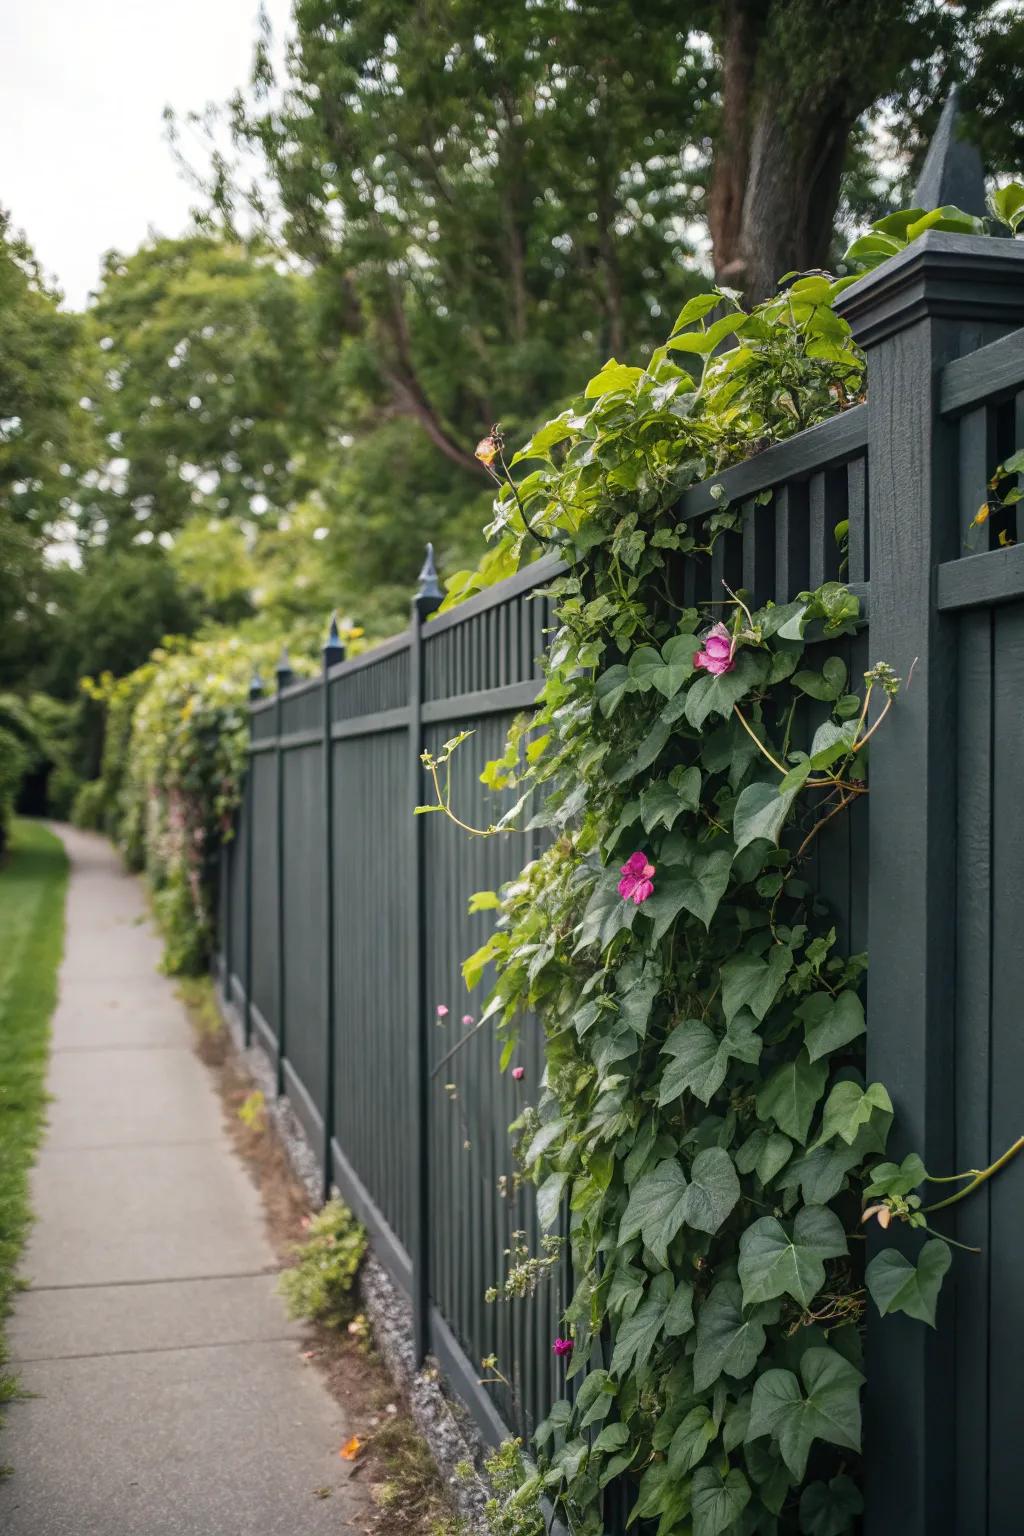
[
  {"x": 896, "y": 1285},
  {"x": 774, "y": 1263},
  {"x": 761, "y": 811},
  {"x": 828, "y": 1408}
]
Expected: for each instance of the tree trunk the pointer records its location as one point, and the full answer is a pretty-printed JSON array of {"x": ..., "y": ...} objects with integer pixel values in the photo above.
[
  {"x": 791, "y": 196},
  {"x": 740, "y": 30},
  {"x": 778, "y": 161}
]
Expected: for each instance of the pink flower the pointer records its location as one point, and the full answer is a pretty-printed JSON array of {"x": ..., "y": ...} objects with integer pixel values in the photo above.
[
  {"x": 442, "y": 1011},
  {"x": 717, "y": 656},
  {"x": 562, "y": 1347},
  {"x": 518, "y": 1073},
  {"x": 636, "y": 883},
  {"x": 467, "y": 1019}
]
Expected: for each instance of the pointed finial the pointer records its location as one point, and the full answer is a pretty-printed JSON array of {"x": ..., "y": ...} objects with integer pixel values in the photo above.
[
  {"x": 284, "y": 673},
  {"x": 953, "y": 171},
  {"x": 333, "y": 649},
  {"x": 428, "y": 596},
  {"x": 255, "y": 686}
]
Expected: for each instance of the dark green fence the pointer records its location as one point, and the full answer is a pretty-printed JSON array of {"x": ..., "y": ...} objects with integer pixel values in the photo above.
[{"x": 344, "y": 917}]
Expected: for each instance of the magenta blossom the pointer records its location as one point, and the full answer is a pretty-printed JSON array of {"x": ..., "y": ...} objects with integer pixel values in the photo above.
[
  {"x": 562, "y": 1347},
  {"x": 442, "y": 1011},
  {"x": 518, "y": 1073},
  {"x": 636, "y": 883},
  {"x": 717, "y": 655},
  {"x": 467, "y": 1019}
]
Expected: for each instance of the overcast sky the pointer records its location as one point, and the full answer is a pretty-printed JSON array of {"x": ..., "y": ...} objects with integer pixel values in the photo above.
[{"x": 84, "y": 164}]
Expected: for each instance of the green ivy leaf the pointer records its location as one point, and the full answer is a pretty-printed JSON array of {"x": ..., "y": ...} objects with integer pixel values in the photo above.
[
  {"x": 897, "y": 1179},
  {"x": 679, "y": 1313},
  {"x": 830, "y": 1410},
  {"x": 594, "y": 1398},
  {"x": 613, "y": 376},
  {"x": 717, "y": 1502},
  {"x": 665, "y": 799},
  {"x": 636, "y": 1003},
  {"x": 830, "y": 1022},
  {"x": 820, "y": 1174},
  {"x": 645, "y": 754},
  {"x": 606, "y": 914},
  {"x": 656, "y": 1209},
  {"x": 637, "y": 1335},
  {"x": 849, "y": 1108},
  {"x": 772, "y": 1263},
  {"x": 660, "y": 1494},
  {"x": 751, "y": 982},
  {"x": 718, "y": 695},
  {"x": 612, "y": 1438},
  {"x": 549, "y": 1199},
  {"x": 765, "y": 1153},
  {"x": 696, "y": 308},
  {"x": 644, "y": 663},
  {"x": 896, "y": 1285},
  {"x": 611, "y": 688},
  {"x": 830, "y": 1509},
  {"x": 677, "y": 664},
  {"x": 761, "y": 811},
  {"x": 697, "y": 888},
  {"x": 700, "y": 1059},
  {"x": 790, "y": 1095},
  {"x": 727, "y": 1341},
  {"x": 713, "y": 1192},
  {"x": 827, "y": 684},
  {"x": 691, "y": 1440}
]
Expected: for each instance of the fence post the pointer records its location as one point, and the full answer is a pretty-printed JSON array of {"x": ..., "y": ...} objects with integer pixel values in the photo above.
[
  {"x": 945, "y": 295},
  {"x": 426, "y": 601},
  {"x": 332, "y": 653},
  {"x": 226, "y": 920},
  {"x": 284, "y": 676},
  {"x": 255, "y": 692}
]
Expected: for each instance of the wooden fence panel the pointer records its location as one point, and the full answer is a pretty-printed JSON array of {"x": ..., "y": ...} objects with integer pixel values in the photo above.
[{"x": 929, "y": 881}]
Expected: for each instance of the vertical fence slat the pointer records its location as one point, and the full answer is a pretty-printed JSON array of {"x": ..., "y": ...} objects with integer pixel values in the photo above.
[
  {"x": 758, "y": 550},
  {"x": 250, "y": 795},
  {"x": 426, "y": 602},
  {"x": 1004, "y": 1254},
  {"x": 977, "y": 460},
  {"x": 857, "y": 516},
  {"x": 972, "y": 1058},
  {"x": 279, "y": 759},
  {"x": 792, "y": 571},
  {"x": 331, "y": 654}
]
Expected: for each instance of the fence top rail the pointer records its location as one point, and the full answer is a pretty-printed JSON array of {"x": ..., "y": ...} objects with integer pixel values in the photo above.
[
  {"x": 981, "y": 376},
  {"x": 841, "y": 437},
  {"x": 380, "y": 651},
  {"x": 830, "y": 442},
  {"x": 535, "y": 575}
]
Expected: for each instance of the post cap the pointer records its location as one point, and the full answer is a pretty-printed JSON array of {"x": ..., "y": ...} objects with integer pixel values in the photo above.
[
  {"x": 428, "y": 596},
  {"x": 283, "y": 672},
  {"x": 953, "y": 171},
  {"x": 255, "y": 685},
  {"x": 941, "y": 275},
  {"x": 333, "y": 649}
]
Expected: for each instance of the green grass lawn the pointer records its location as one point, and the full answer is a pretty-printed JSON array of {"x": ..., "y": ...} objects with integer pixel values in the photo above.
[{"x": 32, "y": 884}]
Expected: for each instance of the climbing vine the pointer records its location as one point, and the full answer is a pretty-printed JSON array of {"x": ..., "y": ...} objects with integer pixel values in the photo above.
[{"x": 704, "y": 1133}]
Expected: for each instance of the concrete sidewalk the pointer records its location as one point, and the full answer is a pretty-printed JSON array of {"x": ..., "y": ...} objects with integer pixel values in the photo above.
[{"x": 170, "y": 1396}]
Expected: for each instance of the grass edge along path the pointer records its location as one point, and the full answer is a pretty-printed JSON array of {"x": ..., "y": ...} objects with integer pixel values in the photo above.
[{"x": 33, "y": 885}]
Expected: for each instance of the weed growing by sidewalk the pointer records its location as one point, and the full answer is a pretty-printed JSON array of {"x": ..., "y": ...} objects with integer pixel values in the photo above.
[
  {"x": 33, "y": 880},
  {"x": 319, "y": 1286}
]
